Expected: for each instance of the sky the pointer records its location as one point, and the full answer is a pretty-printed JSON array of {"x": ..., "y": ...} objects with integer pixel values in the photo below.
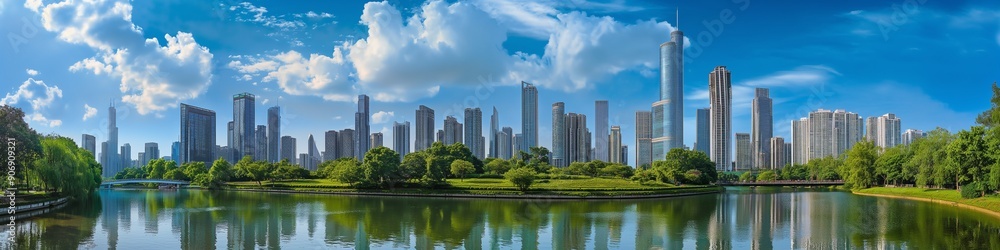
[{"x": 929, "y": 62}]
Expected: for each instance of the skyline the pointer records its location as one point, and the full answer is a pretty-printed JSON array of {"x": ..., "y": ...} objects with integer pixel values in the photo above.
[{"x": 65, "y": 101}]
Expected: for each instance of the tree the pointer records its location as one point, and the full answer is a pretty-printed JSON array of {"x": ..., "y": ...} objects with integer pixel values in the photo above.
[
  {"x": 193, "y": 169},
  {"x": 991, "y": 117},
  {"x": 929, "y": 158},
  {"x": 678, "y": 162},
  {"x": 221, "y": 171},
  {"x": 29, "y": 147},
  {"x": 497, "y": 167},
  {"x": 65, "y": 167},
  {"x": 157, "y": 167},
  {"x": 617, "y": 170},
  {"x": 381, "y": 167},
  {"x": 747, "y": 177},
  {"x": 461, "y": 168},
  {"x": 284, "y": 170},
  {"x": 438, "y": 163},
  {"x": 768, "y": 175},
  {"x": 347, "y": 171},
  {"x": 522, "y": 178},
  {"x": 860, "y": 165},
  {"x": 585, "y": 168},
  {"x": 967, "y": 155},
  {"x": 889, "y": 166},
  {"x": 254, "y": 170},
  {"x": 175, "y": 174},
  {"x": 414, "y": 166}
]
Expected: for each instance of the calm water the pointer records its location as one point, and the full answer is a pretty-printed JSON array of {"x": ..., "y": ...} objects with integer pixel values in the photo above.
[{"x": 740, "y": 218}]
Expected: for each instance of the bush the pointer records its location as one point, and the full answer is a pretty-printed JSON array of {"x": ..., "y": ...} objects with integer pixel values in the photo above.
[
  {"x": 974, "y": 190},
  {"x": 521, "y": 177}
]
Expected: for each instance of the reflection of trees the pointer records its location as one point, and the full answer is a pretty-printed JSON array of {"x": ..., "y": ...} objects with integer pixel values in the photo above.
[
  {"x": 662, "y": 222},
  {"x": 65, "y": 230}
]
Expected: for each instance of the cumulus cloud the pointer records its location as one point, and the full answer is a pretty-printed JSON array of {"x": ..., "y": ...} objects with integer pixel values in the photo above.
[
  {"x": 800, "y": 76},
  {"x": 320, "y": 15},
  {"x": 88, "y": 112},
  {"x": 39, "y": 95},
  {"x": 152, "y": 77},
  {"x": 328, "y": 77},
  {"x": 382, "y": 117},
  {"x": 256, "y": 14},
  {"x": 31, "y": 72}
]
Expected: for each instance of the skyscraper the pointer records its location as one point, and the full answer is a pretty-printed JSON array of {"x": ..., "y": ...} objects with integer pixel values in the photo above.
[
  {"x": 273, "y": 133},
  {"x": 643, "y": 139},
  {"x": 506, "y": 142},
  {"x": 518, "y": 141},
  {"x": 152, "y": 152},
  {"x": 112, "y": 162},
  {"x": 231, "y": 137},
  {"x": 362, "y": 128},
  {"x": 175, "y": 152},
  {"x": 126, "y": 157},
  {"x": 615, "y": 145},
  {"x": 89, "y": 143},
  {"x": 197, "y": 135},
  {"x": 911, "y": 135},
  {"x": 744, "y": 158},
  {"x": 871, "y": 128},
  {"x": 314, "y": 156},
  {"x": 401, "y": 138},
  {"x": 376, "y": 139},
  {"x": 602, "y": 152},
  {"x": 821, "y": 143},
  {"x": 243, "y": 124},
  {"x": 330, "y": 151},
  {"x": 800, "y": 141},
  {"x": 720, "y": 97},
  {"x": 888, "y": 134},
  {"x": 288, "y": 151},
  {"x": 577, "y": 138},
  {"x": 424, "y": 128},
  {"x": 624, "y": 154},
  {"x": 559, "y": 135},
  {"x": 494, "y": 130},
  {"x": 847, "y": 130},
  {"x": 529, "y": 116},
  {"x": 777, "y": 153},
  {"x": 474, "y": 130},
  {"x": 762, "y": 128},
  {"x": 260, "y": 149},
  {"x": 452, "y": 131},
  {"x": 702, "y": 140},
  {"x": 440, "y": 136},
  {"x": 668, "y": 112},
  {"x": 103, "y": 160},
  {"x": 346, "y": 145}
]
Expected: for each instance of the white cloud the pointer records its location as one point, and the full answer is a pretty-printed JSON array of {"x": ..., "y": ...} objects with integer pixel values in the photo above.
[
  {"x": 382, "y": 117},
  {"x": 320, "y": 15},
  {"x": 31, "y": 72},
  {"x": 328, "y": 77},
  {"x": 39, "y": 95},
  {"x": 152, "y": 77},
  {"x": 800, "y": 76},
  {"x": 88, "y": 112},
  {"x": 255, "y": 14}
]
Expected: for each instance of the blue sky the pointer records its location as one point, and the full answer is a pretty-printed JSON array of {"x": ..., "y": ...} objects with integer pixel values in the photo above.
[{"x": 929, "y": 62}]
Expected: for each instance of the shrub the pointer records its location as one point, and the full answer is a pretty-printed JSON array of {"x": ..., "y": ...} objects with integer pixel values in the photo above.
[{"x": 521, "y": 177}]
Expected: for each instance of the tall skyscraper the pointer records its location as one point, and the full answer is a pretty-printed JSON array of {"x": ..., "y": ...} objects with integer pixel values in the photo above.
[
  {"x": 231, "y": 136},
  {"x": 103, "y": 160},
  {"x": 643, "y": 139},
  {"x": 624, "y": 154},
  {"x": 821, "y": 143},
  {"x": 424, "y": 128},
  {"x": 175, "y": 152},
  {"x": 847, "y": 130},
  {"x": 288, "y": 151},
  {"x": 529, "y": 116},
  {"x": 244, "y": 122},
  {"x": 762, "y": 128},
  {"x": 313, "y": 154},
  {"x": 260, "y": 149},
  {"x": 330, "y": 150},
  {"x": 577, "y": 138},
  {"x": 720, "y": 97},
  {"x": 112, "y": 162},
  {"x": 559, "y": 135},
  {"x": 888, "y": 134},
  {"x": 506, "y": 142},
  {"x": 474, "y": 130},
  {"x": 744, "y": 152},
  {"x": 871, "y": 128},
  {"x": 602, "y": 152},
  {"x": 777, "y": 153},
  {"x": 377, "y": 139},
  {"x": 273, "y": 133},
  {"x": 89, "y": 143},
  {"x": 702, "y": 139},
  {"x": 197, "y": 135},
  {"x": 800, "y": 141},
  {"x": 137, "y": 163},
  {"x": 615, "y": 145},
  {"x": 911, "y": 135},
  {"x": 668, "y": 112},
  {"x": 362, "y": 128},
  {"x": 126, "y": 157},
  {"x": 788, "y": 153},
  {"x": 452, "y": 131},
  {"x": 401, "y": 138},
  {"x": 494, "y": 133},
  {"x": 440, "y": 136},
  {"x": 346, "y": 145},
  {"x": 152, "y": 151}
]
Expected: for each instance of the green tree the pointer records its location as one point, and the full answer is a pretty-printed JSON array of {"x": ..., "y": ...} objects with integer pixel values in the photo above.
[
  {"x": 29, "y": 147},
  {"x": 461, "y": 168},
  {"x": 348, "y": 171},
  {"x": 157, "y": 167},
  {"x": 497, "y": 167},
  {"x": 438, "y": 164},
  {"x": 175, "y": 174},
  {"x": 414, "y": 166},
  {"x": 381, "y": 167},
  {"x": 193, "y": 169},
  {"x": 285, "y": 171},
  {"x": 889, "y": 166},
  {"x": 991, "y": 117},
  {"x": 768, "y": 175},
  {"x": 967, "y": 154},
  {"x": 679, "y": 161},
  {"x": 522, "y": 178},
  {"x": 66, "y": 168},
  {"x": 617, "y": 170},
  {"x": 584, "y": 168},
  {"x": 220, "y": 172},
  {"x": 929, "y": 159},
  {"x": 254, "y": 170},
  {"x": 747, "y": 177},
  {"x": 860, "y": 165}
]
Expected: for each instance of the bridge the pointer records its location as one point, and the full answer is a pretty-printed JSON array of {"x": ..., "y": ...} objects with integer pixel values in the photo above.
[
  {"x": 783, "y": 183},
  {"x": 110, "y": 183}
]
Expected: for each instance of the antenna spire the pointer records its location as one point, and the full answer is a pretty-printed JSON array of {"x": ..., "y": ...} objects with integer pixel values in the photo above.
[{"x": 677, "y": 15}]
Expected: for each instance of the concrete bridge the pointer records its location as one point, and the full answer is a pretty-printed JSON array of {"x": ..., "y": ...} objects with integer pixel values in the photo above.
[
  {"x": 108, "y": 184},
  {"x": 783, "y": 183}
]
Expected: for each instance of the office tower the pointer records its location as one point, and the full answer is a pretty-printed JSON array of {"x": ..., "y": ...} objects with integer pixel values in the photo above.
[
  {"x": 175, "y": 152},
  {"x": 126, "y": 157},
  {"x": 260, "y": 147},
  {"x": 702, "y": 138},
  {"x": 152, "y": 152},
  {"x": 762, "y": 128},
  {"x": 244, "y": 122},
  {"x": 401, "y": 138},
  {"x": 112, "y": 162},
  {"x": 288, "y": 151},
  {"x": 577, "y": 138},
  {"x": 777, "y": 153},
  {"x": 424, "y": 128},
  {"x": 89, "y": 143},
  {"x": 788, "y": 153},
  {"x": 273, "y": 133},
  {"x": 847, "y": 130},
  {"x": 871, "y": 128},
  {"x": 452, "y": 130},
  {"x": 474, "y": 130},
  {"x": 559, "y": 135},
  {"x": 103, "y": 160},
  {"x": 614, "y": 145},
  {"x": 517, "y": 141},
  {"x": 314, "y": 157},
  {"x": 911, "y": 135},
  {"x": 720, "y": 97},
  {"x": 888, "y": 131},
  {"x": 668, "y": 112},
  {"x": 362, "y": 128},
  {"x": 302, "y": 160},
  {"x": 506, "y": 143},
  {"x": 529, "y": 116},
  {"x": 330, "y": 149},
  {"x": 137, "y": 163},
  {"x": 601, "y": 124},
  {"x": 494, "y": 133},
  {"x": 376, "y": 139},
  {"x": 346, "y": 143},
  {"x": 800, "y": 141},
  {"x": 821, "y": 143},
  {"x": 197, "y": 135},
  {"x": 643, "y": 139},
  {"x": 231, "y": 136},
  {"x": 481, "y": 146},
  {"x": 624, "y": 154},
  {"x": 440, "y": 136},
  {"x": 744, "y": 151}
]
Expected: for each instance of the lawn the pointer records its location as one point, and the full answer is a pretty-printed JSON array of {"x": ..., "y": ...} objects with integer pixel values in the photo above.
[{"x": 991, "y": 203}]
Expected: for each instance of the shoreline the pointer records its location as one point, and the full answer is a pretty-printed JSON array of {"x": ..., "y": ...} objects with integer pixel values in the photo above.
[
  {"x": 484, "y": 196},
  {"x": 995, "y": 214}
]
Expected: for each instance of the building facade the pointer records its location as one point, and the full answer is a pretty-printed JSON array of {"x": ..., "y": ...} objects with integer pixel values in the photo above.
[
  {"x": 273, "y": 134},
  {"x": 703, "y": 133},
  {"x": 744, "y": 152},
  {"x": 401, "y": 138},
  {"x": 474, "y": 131},
  {"x": 762, "y": 128},
  {"x": 559, "y": 135},
  {"x": 778, "y": 153},
  {"x": 720, "y": 124},
  {"x": 529, "y": 116},
  {"x": 615, "y": 145},
  {"x": 377, "y": 139},
  {"x": 330, "y": 143},
  {"x": 601, "y": 143},
  {"x": 197, "y": 142},
  {"x": 362, "y": 128},
  {"x": 668, "y": 112},
  {"x": 243, "y": 124},
  {"x": 643, "y": 139},
  {"x": 89, "y": 143},
  {"x": 424, "y": 128},
  {"x": 288, "y": 151}
]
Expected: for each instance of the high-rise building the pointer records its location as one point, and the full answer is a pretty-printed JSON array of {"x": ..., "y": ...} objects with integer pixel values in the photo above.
[
  {"x": 330, "y": 149},
  {"x": 800, "y": 141},
  {"x": 303, "y": 160},
  {"x": 89, "y": 143},
  {"x": 260, "y": 149},
  {"x": 273, "y": 133},
  {"x": 643, "y": 139},
  {"x": 702, "y": 138},
  {"x": 577, "y": 138},
  {"x": 424, "y": 128},
  {"x": 821, "y": 143},
  {"x": 529, "y": 116},
  {"x": 346, "y": 144},
  {"x": 481, "y": 146},
  {"x": 624, "y": 154},
  {"x": 137, "y": 163},
  {"x": 517, "y": 142},
  {"x": 175, "y": 152},
  {"x": 288, "y": 151},
  {"x": 847, "y": 130},
  {"x": 244, "y": 122},
  {"x": 744, "y": 151},
  {"x": 911, "y": 135},
  {"x": 494, "y": 134},
  {"x": 788, "y": 153},
  {"x": 362, "y": 128},
  {"x": 888, "y": 134},
  {"x": 871, "y": 128},
  {"x": 720, "y": 97},
  {"x": 614, "y": 145},
  {"x": 777, "y": 153},
  {"x": 668, "y": 112},
  {"x": 559, "y": 135},
  {"x": 314, "y": 156},
  {"x": 474, "y": 130},
  {"x": 440, "y": 135},
  {"x": 112, "y": 162},
  {"x": 152, "y": 152},
  {"x": 401, "y": 138},
  {"x": 762, "y": 128},
  {"x": 506, "y": 143},
  {"x": 602, "y": 152},
  {"x": 452, "y": 131},
  {"x": 377, "y": 139},
  {"x": 126, "y": 157},
  {"x": 231, "y": 137},
  {"x": 101, "y": 159},
  {"x": 197, "y": 135}
]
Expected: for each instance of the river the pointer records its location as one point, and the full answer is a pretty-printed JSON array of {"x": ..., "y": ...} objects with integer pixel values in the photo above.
[{"x": 740, "y": 218}]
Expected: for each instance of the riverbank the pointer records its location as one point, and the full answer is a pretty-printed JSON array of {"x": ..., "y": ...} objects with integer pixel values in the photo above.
[{"x": 988, "y": 205}]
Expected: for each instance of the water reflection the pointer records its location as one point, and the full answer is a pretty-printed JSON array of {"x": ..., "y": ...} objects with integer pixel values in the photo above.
[{"x": 738, "y": 219}]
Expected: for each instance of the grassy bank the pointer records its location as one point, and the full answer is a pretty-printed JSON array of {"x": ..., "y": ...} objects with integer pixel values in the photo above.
[
  {"x": 989, "y": 203},
  {"x": 588, "y": 187}
]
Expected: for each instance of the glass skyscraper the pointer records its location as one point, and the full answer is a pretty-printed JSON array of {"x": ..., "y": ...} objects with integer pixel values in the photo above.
[
  {"x": 668, "y": 112},
  {"x": 559, "y": 135},
  {"x": 362, "y": 128},
  {"x": 243, "y": 124},
  {"x": 401, "y": 138},
  {"x": 425, "y": 128},
  {"x": 273, "y": 133},
  {"x": 529, "y": 116},
  {"x": 197, "y": 135}
]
